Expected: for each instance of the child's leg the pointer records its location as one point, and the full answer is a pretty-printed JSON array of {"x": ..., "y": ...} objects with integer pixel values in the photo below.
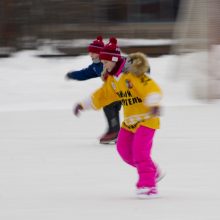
[
  {"x": 142, "y": 157},
  {"x": 112, "y": 115},
  {"x": 124, "y": 145}
]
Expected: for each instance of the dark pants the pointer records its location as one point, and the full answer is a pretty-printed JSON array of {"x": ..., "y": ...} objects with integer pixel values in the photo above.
[{"x": 112, "y": 114}]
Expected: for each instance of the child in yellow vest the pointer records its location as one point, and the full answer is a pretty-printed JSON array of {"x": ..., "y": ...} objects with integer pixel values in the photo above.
[{"x": 140, "y": 96}]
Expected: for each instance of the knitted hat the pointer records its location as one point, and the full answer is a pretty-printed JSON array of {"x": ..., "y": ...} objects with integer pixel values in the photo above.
[
  {"x": 96, "y": 45},
  {"x": 110, "y": 51}
]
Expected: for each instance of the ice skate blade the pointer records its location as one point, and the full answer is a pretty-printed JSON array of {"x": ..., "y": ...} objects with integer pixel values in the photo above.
[
  {"x": 145, "y": 196},
  {"x": 160, "y": 177},
  {"x": 108, "y": 142}
]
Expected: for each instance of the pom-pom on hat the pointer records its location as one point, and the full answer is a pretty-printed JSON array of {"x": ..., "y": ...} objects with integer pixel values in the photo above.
[
  {"x": 96, "y": 45},
  {"x": 110, "y": 52}
]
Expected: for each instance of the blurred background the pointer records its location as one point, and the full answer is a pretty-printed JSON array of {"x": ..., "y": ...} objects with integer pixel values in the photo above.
[
  {"x": 176, "y": 27},
  {"x": 30, "y": 23}
]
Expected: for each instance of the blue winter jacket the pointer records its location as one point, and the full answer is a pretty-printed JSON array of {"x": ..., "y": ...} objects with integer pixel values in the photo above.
[{"x": 92, "y": 71}]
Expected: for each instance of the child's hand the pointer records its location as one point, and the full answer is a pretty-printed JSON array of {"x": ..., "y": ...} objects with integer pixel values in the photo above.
[
  {"x": 77, "y": 109},
  {"x": 155, "y": 111},
  {"x": 68, "y": 76}
]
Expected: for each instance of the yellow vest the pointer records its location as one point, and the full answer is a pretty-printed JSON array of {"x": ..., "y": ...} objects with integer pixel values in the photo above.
[{"x": 135, "y": 94}]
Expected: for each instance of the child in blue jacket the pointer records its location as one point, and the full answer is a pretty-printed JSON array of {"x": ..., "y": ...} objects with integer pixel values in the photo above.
[{"x": 92, "y": 71}]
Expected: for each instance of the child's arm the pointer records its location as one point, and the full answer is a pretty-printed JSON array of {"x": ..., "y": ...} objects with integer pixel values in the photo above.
[
  {"x": 100, "y": 98},
  {"x": 151, "y": 93},
  {"x": 92, "y": 71}
]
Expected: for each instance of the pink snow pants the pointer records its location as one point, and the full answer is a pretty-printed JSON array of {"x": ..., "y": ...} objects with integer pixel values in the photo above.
[{"x": 135, "y": 149}]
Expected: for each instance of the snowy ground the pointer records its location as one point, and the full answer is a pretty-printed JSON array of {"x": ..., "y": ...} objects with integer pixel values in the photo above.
[{"x": 52, "y": 166}]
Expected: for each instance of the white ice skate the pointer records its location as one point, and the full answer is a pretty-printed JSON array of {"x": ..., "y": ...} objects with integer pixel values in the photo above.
[{"x": 147, "y": 193}]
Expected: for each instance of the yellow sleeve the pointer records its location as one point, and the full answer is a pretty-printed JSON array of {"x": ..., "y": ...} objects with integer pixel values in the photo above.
[
  {"x": 104, "y": 95},
  {"x": 149, "y": 91}
]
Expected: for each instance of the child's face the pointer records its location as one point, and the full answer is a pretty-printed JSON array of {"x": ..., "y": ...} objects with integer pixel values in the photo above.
[
  {"x": 94, "y": 56},
  {"x": 108, "y": 65}
]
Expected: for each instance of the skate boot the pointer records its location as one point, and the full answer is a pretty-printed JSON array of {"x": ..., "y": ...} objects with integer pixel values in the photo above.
[
  {"x": 147, "y": 193},
  {"x": 109, "y": 138}
]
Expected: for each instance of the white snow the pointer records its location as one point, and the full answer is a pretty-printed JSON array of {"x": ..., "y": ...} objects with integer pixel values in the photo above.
[{"x": 52, "y": 166}]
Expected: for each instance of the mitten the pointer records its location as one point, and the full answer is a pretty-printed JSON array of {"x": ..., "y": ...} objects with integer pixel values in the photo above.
[
  {"x": 155, "y": 111},
  {"x": 67, "y": 76},
  {"x": 77, "y": 109}
]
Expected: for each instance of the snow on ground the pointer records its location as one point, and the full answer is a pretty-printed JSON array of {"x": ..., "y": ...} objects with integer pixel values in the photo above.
[{"x": 52, "y": 166}]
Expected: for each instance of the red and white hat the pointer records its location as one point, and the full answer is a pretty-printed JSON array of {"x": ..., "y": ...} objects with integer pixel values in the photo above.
[
  {"x": 96, "y": 45},
  {"x": 110, "y": 52}
]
